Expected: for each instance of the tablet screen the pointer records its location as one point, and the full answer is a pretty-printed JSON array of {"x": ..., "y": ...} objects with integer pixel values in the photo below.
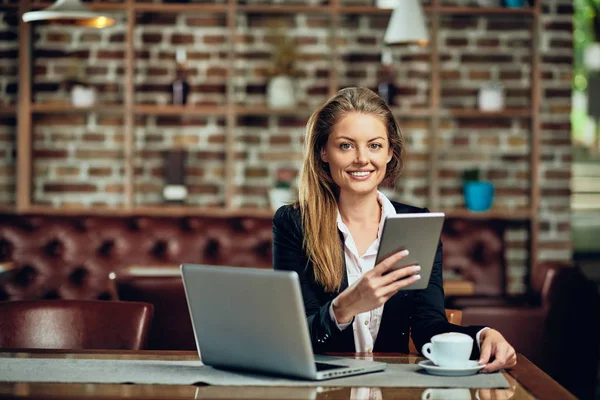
[{"x": 420, "y": 234}]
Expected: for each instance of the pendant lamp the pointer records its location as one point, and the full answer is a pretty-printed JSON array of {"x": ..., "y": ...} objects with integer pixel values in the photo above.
[
  {"x": 70, "y": 12},
  {"x": 407, "y": 24}
]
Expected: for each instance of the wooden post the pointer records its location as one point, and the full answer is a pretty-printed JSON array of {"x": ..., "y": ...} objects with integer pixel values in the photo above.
[
  {"x": 231, "y": 110},
  {"x": 24, "y": 126},
  {"x": 535, "y": 139},
  {"x": 434, "y": 104},
  {"x": 129, "y": 107}
]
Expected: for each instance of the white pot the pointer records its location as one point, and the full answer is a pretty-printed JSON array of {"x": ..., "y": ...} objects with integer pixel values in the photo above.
[
  {"x": 388, "y": 4},
  {"x": 591, "y": 57},
  {"x": 279, "y": 197},
  {"x": 491, "y": 98},
  {"x": 82, "y": 96},
  {"x": 280, "y": 92}
]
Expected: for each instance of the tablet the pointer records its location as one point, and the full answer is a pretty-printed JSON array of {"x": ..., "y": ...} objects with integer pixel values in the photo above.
[{"x": 420, "y": 234}]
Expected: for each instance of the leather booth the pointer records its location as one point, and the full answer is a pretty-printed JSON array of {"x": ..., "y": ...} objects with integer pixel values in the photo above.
[{"x": 70, "y": 257}]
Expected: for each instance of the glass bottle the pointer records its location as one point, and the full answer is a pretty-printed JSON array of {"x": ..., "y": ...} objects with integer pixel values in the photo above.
[{"x": 180, "y": 88}]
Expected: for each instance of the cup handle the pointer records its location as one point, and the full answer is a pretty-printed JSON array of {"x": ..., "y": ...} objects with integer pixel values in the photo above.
[
  {"x": 426, "y": 350},
  {"x": 426, "y": 395}
]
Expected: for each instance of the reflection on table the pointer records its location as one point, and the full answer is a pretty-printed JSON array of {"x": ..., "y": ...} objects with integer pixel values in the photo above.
[{"x": 526, "y": 382}]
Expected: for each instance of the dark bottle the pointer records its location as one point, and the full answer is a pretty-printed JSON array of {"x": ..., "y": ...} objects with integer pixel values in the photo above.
[
  {"x": 180, "y": 88},
  {"x": 385, "y": 78}
]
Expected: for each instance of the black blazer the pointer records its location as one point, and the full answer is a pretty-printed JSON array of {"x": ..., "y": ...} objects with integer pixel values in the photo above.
[{"x": 419, "y": 310}]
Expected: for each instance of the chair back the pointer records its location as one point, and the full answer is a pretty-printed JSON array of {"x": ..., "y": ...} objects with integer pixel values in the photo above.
[
  {"x": 74, "y": 324},
  {"x": 453, "y": 316},
  {"x": 172, "y": 327}
]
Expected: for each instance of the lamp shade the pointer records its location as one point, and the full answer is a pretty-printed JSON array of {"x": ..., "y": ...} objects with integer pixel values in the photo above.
[
  {"x": 407, "y": 24},
  {"x": 70, "y": 12}
]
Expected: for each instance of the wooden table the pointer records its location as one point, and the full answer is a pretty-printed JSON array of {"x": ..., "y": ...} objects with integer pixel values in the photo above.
[{"x": 526, "y": 382}]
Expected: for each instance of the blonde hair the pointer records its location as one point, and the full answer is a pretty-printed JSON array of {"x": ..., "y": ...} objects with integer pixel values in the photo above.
[{"x": 318, "y": 192}]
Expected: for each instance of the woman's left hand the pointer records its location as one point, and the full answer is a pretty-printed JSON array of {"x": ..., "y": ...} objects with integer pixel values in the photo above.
[{"x": 494, "y": 346}]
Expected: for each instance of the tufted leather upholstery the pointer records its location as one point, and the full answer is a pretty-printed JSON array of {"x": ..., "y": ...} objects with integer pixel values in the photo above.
[
  {"x": 70, "y": 257},
  {"x": 474, "y": 250},
  {"x": 74, "y": 324}
]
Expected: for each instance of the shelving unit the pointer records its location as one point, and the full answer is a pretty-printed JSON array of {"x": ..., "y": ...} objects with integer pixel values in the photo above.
[
  {"x": 179, "y": 110},
  {"x": 50, "y": 108},
  {"x": 335, "y": 11}
]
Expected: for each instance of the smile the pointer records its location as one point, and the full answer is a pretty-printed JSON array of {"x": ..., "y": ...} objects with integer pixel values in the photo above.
[{"x": 360, "y": 174}]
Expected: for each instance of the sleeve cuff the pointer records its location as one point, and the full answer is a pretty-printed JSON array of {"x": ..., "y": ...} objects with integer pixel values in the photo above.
[
  {"x": 341, "y": 327},
  {"x": 476, "y": 336}
]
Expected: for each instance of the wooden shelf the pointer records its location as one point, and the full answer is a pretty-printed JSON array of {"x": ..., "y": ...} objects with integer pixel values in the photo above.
[
  {"x": 154, "y": 210},
  {"x": 290, "y": 9},
  {"x": 398, "y": 113},
  {"x": 513, "y": 215},
  {"x": 280, "y": 9},
  {"x": 192, "y": 210},
  {"x": 180, "y": 110},
  {"x": 8, "y": 110},
  {"x": 181, "y": 8},
  {"x": 474, "y": 113},
  {"x": 7, "y": 209},
  {"x": 94, "y": 6},
  {"x": 265, "y": 110},
  {"x": 458, "y": 10},
  {"x": 365, "y": 10},
  {"x": 51, "y": 108}
]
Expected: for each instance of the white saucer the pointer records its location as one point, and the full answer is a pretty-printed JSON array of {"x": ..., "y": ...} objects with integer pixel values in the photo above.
[{"x": 471, "y": 368}]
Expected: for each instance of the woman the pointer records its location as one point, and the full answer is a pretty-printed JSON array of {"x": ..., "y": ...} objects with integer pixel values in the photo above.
[{"x": 331, "y": 235}]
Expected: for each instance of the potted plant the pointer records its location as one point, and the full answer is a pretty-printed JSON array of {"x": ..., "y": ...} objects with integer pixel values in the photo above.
[
  {"x": 514, "y": 3},
  {"x": 591, "y": 54},
  {"x": 82, "y": 94},
  {"x": 479, "y": 195},
  {"x": 281, "y": 72},
  {"x": 281, "y": 193}
]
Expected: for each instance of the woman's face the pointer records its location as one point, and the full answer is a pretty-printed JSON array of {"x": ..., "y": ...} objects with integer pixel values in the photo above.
[{"x": 357, "y": 152}]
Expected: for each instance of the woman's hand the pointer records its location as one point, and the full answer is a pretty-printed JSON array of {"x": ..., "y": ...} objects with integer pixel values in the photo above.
[
  {"x": 374, "y": 288},
  {"x": 493, "y": 345}
]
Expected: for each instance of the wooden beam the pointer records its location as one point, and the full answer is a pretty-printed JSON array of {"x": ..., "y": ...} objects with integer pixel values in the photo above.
[
  {"x": 24, "y": 133},
  {"x": 229, "y": 188},
  {"x": 434, "y": 104},
  {"x": 334, "y": 27},
  {"x": 129, "y": 105},
  {"x": 535, "y": 140}
]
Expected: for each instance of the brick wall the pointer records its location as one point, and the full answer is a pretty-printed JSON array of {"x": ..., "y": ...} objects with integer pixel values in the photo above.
[
  {"x": 9, "y": 65},
  {"x": 555, "y": 168},
  {"x": 79, "y": 157}
]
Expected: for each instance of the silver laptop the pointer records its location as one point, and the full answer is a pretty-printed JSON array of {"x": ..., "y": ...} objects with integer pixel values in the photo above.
[{"x": 253, "y": 319}]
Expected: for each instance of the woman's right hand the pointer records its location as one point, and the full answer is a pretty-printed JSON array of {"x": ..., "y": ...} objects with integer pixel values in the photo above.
[{"x": 374, "y": 288}]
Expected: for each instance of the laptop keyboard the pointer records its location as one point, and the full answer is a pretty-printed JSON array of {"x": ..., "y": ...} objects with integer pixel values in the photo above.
[{"x": 325, "y": 366}]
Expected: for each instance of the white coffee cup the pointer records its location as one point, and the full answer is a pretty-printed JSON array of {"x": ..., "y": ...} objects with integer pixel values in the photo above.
[
  {"x": 446, "y": 394},
  {"x": 449, "y": 350}
]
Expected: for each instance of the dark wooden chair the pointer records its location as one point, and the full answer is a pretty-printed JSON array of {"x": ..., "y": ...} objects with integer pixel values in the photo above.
[
  {"x": 74, "y": 324},
  {"x": 172, "y": 328}
]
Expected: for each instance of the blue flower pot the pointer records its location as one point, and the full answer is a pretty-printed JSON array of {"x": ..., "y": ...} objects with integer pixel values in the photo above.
[
  {"x": 479, "y": 195},
  {"x": 514, "y": 3}
]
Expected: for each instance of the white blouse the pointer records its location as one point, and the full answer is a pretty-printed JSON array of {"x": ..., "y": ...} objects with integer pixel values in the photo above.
[{"x": 365, "y": 325}]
